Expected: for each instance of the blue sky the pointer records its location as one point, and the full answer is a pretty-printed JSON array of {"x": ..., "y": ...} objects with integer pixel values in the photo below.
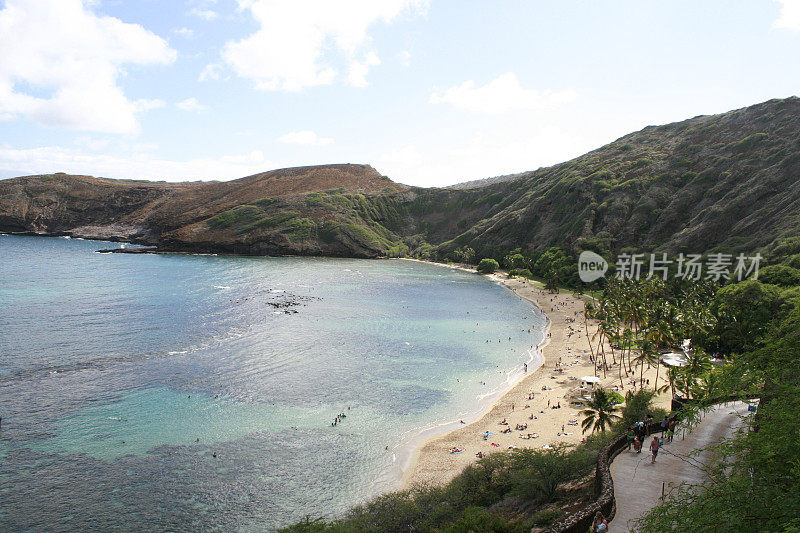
[{"x": 429, "y": 92}]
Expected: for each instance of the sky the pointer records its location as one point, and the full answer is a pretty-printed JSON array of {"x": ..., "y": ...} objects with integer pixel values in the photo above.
[{"x": 429, "y": 92}]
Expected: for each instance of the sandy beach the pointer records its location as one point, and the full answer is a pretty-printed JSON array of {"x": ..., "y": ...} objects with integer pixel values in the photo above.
[{"x": 565, "y": 356}]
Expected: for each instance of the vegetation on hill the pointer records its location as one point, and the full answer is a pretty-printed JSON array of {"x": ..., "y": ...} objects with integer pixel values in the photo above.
[{"x": 725, "y": 182}]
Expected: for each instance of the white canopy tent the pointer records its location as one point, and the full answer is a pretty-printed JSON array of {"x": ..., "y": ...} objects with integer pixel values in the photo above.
[
  {"x": 674, "y": 359},
  {"x": 592, "y": 380}
]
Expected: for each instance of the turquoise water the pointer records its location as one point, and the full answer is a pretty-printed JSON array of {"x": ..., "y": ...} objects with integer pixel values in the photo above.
[{"x": 122, "y": 376}]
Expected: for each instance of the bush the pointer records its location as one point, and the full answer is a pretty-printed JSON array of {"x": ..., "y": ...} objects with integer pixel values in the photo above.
[
  {"x": 521, "y": 272},
  {"x": 637, "y": 406},
  {"x": 545, "y": 517},
  {"x": 537, "y": 474},
  {"x": 480, "y": 519},
  {"x": 487, "y": 266},
  {"x": 782, "y": 275}
]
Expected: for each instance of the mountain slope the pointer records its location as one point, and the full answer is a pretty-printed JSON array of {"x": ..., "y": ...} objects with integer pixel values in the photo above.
[
  {"x": 173, "y": 215},
  {"x": 728, "y": 181}
]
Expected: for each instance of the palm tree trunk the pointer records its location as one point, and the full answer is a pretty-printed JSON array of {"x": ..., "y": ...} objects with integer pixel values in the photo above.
[
  {"x": 658, "y": 367},
  {"x": 641, "y": 374}
]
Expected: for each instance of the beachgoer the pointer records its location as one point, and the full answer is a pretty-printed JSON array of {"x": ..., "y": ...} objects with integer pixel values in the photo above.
[
  {"x": 599, "y": 525},
  {"x": 654, "y": 448}
]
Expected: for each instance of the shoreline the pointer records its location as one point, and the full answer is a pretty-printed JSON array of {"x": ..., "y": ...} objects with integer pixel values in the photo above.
[
  {"x": 423, "y": 456},
  {"x": 409, "y": 451},
  {"x": 429, "y": 460}
]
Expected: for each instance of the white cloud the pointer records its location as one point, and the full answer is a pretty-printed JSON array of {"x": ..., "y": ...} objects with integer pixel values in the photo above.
[
  {"x": 139, "y": 163},
  {"x": 307, "y": 138},
  {"x": 146, "y": 105},
  {"x": 502, "y": 95},
  {"x": 62, "y": 50},
  {"x": 184, "y": 32},
  {"x": 299, "y": 43},
  {"x": 405, "y": 58},
  {"x": 205, "y": 14},
  {"x": 211, "y": 72},
  {"x": 192, "y": 105},
  {"x": 360, "y": 69},
  {"x": 789, "y": 17}
]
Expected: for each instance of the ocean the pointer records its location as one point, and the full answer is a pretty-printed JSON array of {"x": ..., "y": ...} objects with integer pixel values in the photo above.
[{"x": 144, "y": 392}]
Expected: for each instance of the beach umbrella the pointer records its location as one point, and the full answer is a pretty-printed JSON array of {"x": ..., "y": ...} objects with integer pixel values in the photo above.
[
  {"x": 674, "y": 359},
  {"x": 590, "y": 379}
]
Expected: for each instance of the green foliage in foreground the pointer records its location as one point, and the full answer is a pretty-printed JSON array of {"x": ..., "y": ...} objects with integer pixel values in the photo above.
[
  {"x": 754, "y": 485},
  {"x": 502, "y": 492}
]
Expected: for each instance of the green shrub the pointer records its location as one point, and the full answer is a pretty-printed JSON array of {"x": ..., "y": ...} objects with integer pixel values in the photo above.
[
  {"x": 479, "y": 519},
  {"x": 545, "y": 517},
  {"x": 301, "y": 228},
  {"x": 397, "y": 250},
  {"x": 488, "y": 265},
  {"x": 749, "y": 142},
  {"x": 782, "y": 275},
  {"x": 243, "y": 214},
  {"x": 537, "y": 474},
  {"x": 637, "y": 406}
]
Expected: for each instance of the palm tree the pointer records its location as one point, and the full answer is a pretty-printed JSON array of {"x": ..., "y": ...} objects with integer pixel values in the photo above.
[
  {"x": 697, "y": 366},
  {"x": 590, "y": 311},
  {"x": 647, "y": 354},
  {"x": 672, "y": 378},
  {"x": 600, "y": 412}
]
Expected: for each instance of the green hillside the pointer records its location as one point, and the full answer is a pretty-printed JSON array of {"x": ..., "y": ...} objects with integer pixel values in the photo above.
[{"x": 721, "y": 182}]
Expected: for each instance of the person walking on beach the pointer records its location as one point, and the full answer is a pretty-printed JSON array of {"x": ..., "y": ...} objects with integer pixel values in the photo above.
[{"x": 654, "y": 449}]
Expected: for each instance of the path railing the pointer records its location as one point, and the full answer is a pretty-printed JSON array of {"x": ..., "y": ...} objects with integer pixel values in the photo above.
[{"x": 581, "y": 520}]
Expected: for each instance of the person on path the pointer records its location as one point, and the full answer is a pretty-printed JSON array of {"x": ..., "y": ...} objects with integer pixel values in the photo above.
[
  {"x": 671, "y": 430},
  {"x": 654, "y": 449},
  {"x": 599, "y": 525}
]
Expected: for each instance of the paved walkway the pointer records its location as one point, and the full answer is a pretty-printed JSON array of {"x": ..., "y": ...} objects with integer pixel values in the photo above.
[{"x": 637, "y": 483}]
